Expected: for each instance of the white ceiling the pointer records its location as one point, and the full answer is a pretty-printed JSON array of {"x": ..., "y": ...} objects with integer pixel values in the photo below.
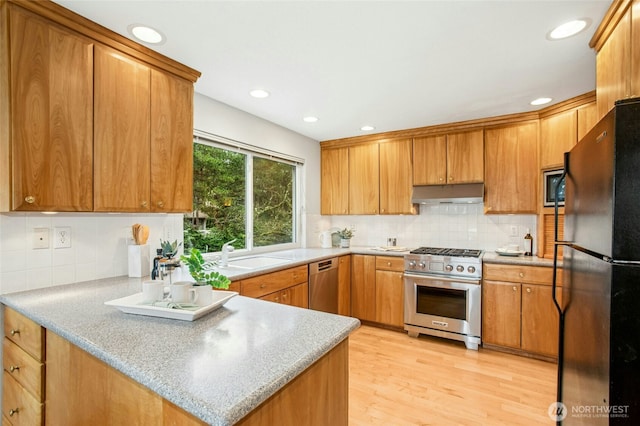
[{"x": 391, "y": 64}]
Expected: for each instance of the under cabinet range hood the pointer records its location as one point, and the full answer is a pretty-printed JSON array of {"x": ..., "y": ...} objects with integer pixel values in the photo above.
[{"x": 463, "y": 193}]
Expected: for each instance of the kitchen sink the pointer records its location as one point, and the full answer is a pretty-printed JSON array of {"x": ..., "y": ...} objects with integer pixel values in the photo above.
[{"x": 255, "y": 262}]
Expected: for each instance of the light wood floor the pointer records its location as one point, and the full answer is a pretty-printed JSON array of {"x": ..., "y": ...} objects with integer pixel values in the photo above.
[{"x": 399, "y": 380}]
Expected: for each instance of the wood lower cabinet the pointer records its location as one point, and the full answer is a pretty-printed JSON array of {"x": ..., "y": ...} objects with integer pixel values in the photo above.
[
  {"x": 377, "y": 289},
  {"x": 518, "y": 310},
  {"x": 23, "y": 377},
  {"x": 46, "y": 117},
  {"x": 344, "y": 285},
  {"x": 511, "y": 169},
  {"x": 289, "y": 286}
]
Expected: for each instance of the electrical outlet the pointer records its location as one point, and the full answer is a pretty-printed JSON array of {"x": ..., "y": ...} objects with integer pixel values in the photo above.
[
  {"x": 513, "y": 231},
  {"x": 40, "y": 238},
  {"x": 61, "y": 237}
]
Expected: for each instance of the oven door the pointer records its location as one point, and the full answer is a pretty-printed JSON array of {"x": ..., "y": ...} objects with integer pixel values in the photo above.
[{"x": 442, "y": 303}]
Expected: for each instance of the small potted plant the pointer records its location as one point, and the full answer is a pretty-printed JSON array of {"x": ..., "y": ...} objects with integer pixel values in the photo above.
[
  {"x": 169, "y": 249},
  {"x": 201, "y": 272},
  {"x": 345, "y": 237}
]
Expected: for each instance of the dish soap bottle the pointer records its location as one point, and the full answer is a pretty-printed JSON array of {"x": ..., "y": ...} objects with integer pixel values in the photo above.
[{"x": 528, "y": 244}]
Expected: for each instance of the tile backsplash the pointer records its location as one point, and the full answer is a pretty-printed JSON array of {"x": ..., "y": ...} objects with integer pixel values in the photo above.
[
  {"x": 98, "y": 246},
  {"x": 438, "y": 225}
]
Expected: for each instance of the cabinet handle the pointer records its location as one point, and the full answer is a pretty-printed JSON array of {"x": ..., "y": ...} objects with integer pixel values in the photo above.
[
  {"x": 30, "y": 199},
  {"x": 515, "y": 288},
  {"x": 440, "y": 179},
  {"x": 13, "y": 411},
  {"x": 388, "y": 263},
  {"x": 14, "y": 368},
  {"x": 521, "y": 274},
  {"x": 277, "y": 299},
  {"x": 284, "y": 295},
  {"x": 263, "y": 285},
  {"x": 160, "y": 204},
  {"x": 528, "y": 290},
  {"x": 450, "y": 178},
  {"x": 13, "y": 332},
  {"x": 143, "y": 204}
]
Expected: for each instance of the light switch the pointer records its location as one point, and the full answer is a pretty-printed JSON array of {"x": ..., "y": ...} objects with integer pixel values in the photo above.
[{"x": 40, "y": 238}]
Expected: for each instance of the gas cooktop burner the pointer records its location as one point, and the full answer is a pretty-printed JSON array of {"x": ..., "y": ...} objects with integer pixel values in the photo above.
[{"x": 447, "y": 252}]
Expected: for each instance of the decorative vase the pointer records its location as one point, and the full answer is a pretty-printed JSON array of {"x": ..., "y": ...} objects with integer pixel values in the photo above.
[{"x": 344, "y": 242}]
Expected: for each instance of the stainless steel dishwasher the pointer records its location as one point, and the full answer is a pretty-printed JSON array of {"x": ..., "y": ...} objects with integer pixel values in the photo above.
[{"x": 323, "y": 285}]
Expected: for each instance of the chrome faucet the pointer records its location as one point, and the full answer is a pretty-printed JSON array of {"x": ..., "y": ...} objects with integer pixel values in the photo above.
[{"x": 226, "y": 249}]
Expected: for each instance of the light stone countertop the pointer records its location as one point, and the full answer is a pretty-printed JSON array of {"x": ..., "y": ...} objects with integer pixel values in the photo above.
[
  {"x": 218, "y": 368},
  {"x": 492, "y": 257}
]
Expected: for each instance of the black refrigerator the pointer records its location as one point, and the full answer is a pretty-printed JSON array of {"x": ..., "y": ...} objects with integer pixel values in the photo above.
[{"x": 599, "y": 353}]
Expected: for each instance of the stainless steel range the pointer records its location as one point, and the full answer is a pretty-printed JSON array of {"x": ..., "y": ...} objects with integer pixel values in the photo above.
[{"x": 443, "y": 294}]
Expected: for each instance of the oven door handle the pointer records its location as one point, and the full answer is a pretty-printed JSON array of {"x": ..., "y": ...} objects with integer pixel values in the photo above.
[{"x": 445, "y": 279}]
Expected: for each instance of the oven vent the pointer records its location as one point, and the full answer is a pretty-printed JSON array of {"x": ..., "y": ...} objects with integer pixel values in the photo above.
[{"x": 463, "y": 193}]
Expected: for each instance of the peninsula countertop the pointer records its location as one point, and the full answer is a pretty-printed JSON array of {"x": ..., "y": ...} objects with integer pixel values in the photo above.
[{"x": 218, "y": 368}]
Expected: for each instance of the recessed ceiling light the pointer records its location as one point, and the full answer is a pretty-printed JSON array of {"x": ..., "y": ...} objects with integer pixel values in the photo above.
[
  {"x": 310, "y": 119},
  {"x": 367, "y": 128},
  {"x": 259, "y": 93},
  {"x": 569, "y": 29},
  {"x": 540, "y": 101},
  {"x": 146, "y": 34}
]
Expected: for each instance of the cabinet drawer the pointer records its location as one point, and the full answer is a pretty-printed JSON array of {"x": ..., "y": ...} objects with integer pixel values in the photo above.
[
  {"x": 269, "y": 283},
  {"x": 18, "y": 405},
  {"x": 390, "y": 263},
  {"x": 22, "y": 367},
  {"x": 24, "y": 332},
  {"x": 520, "y": 274}
]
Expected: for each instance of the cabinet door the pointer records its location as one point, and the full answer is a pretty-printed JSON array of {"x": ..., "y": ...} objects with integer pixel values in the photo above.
[
  {"x": 540, "y": 320},
  {"x": 171, "y": 143},
  {"x": 558, "y": 134},
  {"x": 613, "y": 66},
  {"x": 430, "y": 160},
  {"x": 363, "y": 287},
  {"x": 587, "y": 118},
  {"x": 465, "y": 157},
  {"x": 634, "y": 91},
  {"x": 501, "y": 313},
  {"x": 334, "y": 181},
  {"x": 52, "y": 115},
  {"x": 344, "y": 285},
  {"x": 389, "y": 298},
  {"x": 121, "y": 139},
  {"x": 396, "y": 177},
  {"x": 511, "y": 172},
  {"x": 298, "y": 295},
  {"x": 364, "y": 185}
]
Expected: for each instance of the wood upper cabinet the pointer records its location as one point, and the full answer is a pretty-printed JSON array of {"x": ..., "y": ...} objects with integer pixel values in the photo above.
[
  {"x": 122, "y": 132},
  {"x": 46, "y": 117},
  {"x": 511, "y": 168},
  {"x": 364, "y": 185},
  {"x": 171, "y": 143},
  {"x": 558, "y": 134},
  {"x": 334, "y": 180},
  {"x": 587, "y": 118},
  {"x": 396, "y": 177},
  {"x": 452, "y": 158},
  {"x": 618, "y": 57}
]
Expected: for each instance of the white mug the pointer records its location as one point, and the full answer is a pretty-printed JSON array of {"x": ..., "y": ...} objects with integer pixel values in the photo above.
[
  {"x": 183, "y": 292},
  {"x": 513, "y": 247},
  {"x": 152, "y": 291},
  {"x": 205, "y": 295}
]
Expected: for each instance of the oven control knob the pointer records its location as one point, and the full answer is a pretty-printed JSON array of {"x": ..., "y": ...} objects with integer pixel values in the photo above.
[
  {"x": 460, "y": 268},
  {"x": 412, "y": 264},
  {"x": 422, "y": 265},
  {"x": 448, "y": 268},
  {"x": 471, "y": 269}
]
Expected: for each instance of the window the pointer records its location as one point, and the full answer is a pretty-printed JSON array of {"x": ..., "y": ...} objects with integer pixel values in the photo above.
[{"x": 243, "y": 195}]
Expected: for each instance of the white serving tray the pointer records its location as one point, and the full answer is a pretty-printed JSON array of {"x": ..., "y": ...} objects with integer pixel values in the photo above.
[{"x": 133, "y": 305}]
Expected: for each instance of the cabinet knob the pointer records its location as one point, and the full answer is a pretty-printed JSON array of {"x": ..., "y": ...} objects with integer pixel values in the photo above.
[
  {"x": 13, "y": 411},
  {"x": 521, "y": 274},
  {"x": 441, "y": 179},
  {"x": 143, "y": 204},
  {"x": 30, "y": 199},
  {"x": 450, "y": 178},
  {"x": 515, "y": 288},
  {"x": 388, "y": 263},
  {"x": 277, "y": 299},
  {"x": 284, "y": 295},
  {"x": 263, "y": 285},
  {"x": 14, "y": 368},
  {"x": 528, "y": 290},
  {"x": 160, "y": 204},
  {"x": 13, "y": 332}
]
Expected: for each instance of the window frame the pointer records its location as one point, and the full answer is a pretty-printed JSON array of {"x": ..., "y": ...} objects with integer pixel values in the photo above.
[{"x": 253, "y": 151}]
